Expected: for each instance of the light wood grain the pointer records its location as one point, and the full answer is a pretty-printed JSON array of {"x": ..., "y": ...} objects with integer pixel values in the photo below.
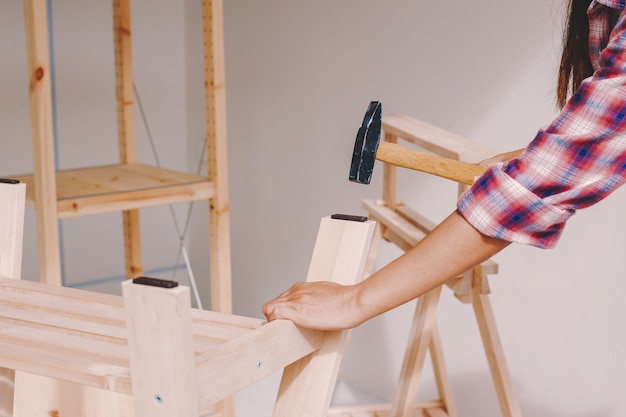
[
  {"x": 40, "y": 97},
  {"x": 162, "y": 363},
  {"x": 424, "y": 321},
  {"x": 435, "y": 139},
  {"x": 402, "y": 156},
  {"x": 339, "y": 255},
  {"x": 12, "y": 202},
  {"x": 220, "y": 268},
  {"x": 111, "y": 188},
  {"x": 509, "y": 405}
]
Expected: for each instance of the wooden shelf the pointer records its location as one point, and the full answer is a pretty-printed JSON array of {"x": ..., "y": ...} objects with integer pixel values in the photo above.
[{"x": 120, "y": 187}]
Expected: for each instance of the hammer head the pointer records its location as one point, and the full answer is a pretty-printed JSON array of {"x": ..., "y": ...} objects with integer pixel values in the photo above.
[{"x": 366, "y": 145}]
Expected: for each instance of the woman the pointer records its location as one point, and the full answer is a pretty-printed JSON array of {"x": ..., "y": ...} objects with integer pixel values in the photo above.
[{"x": 525, "y": 196}]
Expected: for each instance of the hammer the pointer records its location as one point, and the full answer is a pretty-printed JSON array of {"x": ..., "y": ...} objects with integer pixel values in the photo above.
[{"x": 368, "y": 148}]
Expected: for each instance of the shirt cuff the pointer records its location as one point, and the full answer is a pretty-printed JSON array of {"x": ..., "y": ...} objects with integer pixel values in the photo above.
[{"x": 498, "y": 206}]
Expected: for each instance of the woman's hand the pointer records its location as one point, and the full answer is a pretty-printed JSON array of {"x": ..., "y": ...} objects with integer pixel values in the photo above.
[
  {"x": 503, "y": 157},
  {"x": 317, "y": 305}
]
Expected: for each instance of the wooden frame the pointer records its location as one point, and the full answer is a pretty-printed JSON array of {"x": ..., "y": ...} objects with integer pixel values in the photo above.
[
  {"x": 127, "y": 186},
  {"x": 405, "y": 227},
  {"x": 173, "y": 359},
  {"x": 12, "y": 198}
]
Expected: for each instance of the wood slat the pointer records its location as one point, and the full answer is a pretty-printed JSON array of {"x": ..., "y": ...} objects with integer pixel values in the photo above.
[
  {"x": 80, "y": 336},
  {"x": 380, "y": 410},
  {"x": 12, "y": 199},
  {"x": 114, "y": 188},
  {"x": 393, "y": 221},
  {"x": 12, "y": 227},
  {"x": 435, "y": 139},
  {"x": 435, "y": 412},
  {"x": 251, "y": 357}
]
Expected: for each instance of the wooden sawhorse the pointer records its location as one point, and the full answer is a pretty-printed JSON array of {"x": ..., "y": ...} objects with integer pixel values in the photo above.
[
  {"x": 400, "y": 224},
  {"x": 173, "y": 360}
]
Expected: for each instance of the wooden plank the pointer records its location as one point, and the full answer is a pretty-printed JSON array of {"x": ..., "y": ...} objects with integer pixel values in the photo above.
[
  {"x": 444, "y": 387},
  {"x": 370, "y": 263},
  {"x": 115, "y": 188},
  {"x": 7, "y": 391},
  {"x": 12, "y": 201},
  {"x": 339, "y": 255},
  {"x": 126, "y": 128},
  {"x": 215, "y": 118},
  {"x": 124, "y": 93},
  {"x": 133, "y": 263},
  {"x": 435, "y": 139},
  {"x": 161, "y": 355},
  {"x": 240, "y": 362},
  {"x": 101, "y": 316},
  {"x": 96, "y": 402},
  {"x": 109, "y": 179},
  {"x": 80, "y": 335},
  {"x": 436, "y": 412},
  {"x": 509, "y": 405},
  {"x": 217, "y": 163},
  {"x": 390, "y": 196},
  {"x": 36, "y": 27},
  {"x": 81, "y": 369},
  {"x": 415, "y": 354},
  {"x": 378, "y": 410},
  {"x": 391, "y": 220}
]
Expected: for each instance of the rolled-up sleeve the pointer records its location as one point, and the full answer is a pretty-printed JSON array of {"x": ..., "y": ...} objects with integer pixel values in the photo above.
[{"x": 573, "y": 163}]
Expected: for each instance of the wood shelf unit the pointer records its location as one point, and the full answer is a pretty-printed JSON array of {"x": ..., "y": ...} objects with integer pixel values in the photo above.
[{"x": 126, "y": 185}]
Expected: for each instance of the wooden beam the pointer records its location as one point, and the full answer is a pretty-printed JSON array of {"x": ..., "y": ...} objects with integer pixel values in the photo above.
[
  {"x": 415, "y": 354},
  {"x": 503, "y": 384},
  {"x": 162, "y": 363},
  {"x": 12, "y": 203},
  {"x": 339, "y": 255},
  {"x": 39, "y": 89}
]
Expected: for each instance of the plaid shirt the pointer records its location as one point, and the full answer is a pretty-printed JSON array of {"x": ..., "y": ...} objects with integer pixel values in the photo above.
[{"x": 574, "y": 162}]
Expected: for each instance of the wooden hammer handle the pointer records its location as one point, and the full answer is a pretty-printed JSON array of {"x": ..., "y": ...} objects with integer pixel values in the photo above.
[{"x": 404, "y": 157}]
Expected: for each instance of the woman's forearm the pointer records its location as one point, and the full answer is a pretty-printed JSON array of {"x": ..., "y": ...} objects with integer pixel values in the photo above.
[{"x": 449, "y": 250}]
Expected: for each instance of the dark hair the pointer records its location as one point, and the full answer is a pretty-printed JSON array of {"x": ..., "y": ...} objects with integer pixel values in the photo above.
[{"x": 575, "y": 63}]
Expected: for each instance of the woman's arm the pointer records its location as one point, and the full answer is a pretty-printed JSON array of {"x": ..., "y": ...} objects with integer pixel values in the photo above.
[{"x": 450, "y": 249}]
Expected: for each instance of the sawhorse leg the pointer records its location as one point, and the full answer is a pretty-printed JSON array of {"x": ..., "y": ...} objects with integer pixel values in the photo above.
[
  {"x": 424, "y": 335},
  {"x": 493, "y": 348},
  {"x": 420, "y": 340}
]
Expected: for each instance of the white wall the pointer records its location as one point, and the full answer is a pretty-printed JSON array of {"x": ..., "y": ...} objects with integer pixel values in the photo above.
[{"x": 299, "y": 77}]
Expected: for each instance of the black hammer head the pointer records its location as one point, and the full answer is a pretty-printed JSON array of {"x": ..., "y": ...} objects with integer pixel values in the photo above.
[{"x": 366, "y": 144}]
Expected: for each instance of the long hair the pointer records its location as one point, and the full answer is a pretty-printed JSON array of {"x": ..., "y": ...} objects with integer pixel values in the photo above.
[{"x": 575, "y": 63}]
